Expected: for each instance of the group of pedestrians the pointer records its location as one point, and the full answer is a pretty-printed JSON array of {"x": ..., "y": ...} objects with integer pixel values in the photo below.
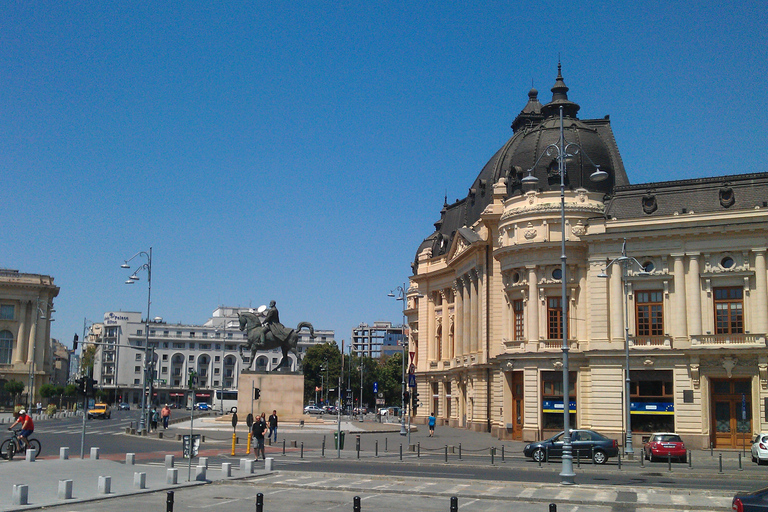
[
  {"x": 155, "y": 417},
  {"x": 263, "y": 427}
]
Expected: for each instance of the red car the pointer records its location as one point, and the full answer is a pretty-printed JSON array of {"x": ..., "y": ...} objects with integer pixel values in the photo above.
[{"x": 662, "y": 445}]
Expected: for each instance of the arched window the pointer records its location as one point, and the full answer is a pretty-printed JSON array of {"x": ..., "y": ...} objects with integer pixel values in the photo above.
[{"x": 6, "y": 347}]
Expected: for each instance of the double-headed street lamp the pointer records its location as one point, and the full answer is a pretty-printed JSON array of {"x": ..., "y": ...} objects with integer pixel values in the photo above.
[
  {"x": 148, "y": 363},
  {"x": 626, "y": 262},
  {"x": 561, "y": 150}
]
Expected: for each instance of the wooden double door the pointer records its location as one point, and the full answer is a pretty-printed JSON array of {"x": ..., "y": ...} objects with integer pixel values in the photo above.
[{"x": 731, "y": 413}]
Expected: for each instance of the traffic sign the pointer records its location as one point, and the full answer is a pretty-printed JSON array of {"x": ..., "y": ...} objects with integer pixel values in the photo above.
[
  {"x": 411, "y": 380},
  {"x": 375, "y": 387}
]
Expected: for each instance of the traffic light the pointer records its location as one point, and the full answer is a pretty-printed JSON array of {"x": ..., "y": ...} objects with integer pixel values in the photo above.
[
  {"x": 81, "y": 386},
  {"x": 89, "y": 384},
  {"x": 415, "y": 404},
  {"x": 406, "y": 396},
  {"x": 74, "y": 343},
  {"x": 256, "y": 393}
]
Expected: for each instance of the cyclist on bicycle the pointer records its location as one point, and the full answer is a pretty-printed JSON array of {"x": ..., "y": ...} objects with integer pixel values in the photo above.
[{"x": 27, "y": 427}]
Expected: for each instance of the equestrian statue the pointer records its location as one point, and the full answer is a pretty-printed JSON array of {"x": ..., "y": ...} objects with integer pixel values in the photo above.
[{"x": 265, "y": 332}]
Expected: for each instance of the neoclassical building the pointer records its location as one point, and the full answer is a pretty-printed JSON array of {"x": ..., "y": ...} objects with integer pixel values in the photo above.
[
  {"x": 485, "y": 297},
  {"x": 26, "y": 304}
]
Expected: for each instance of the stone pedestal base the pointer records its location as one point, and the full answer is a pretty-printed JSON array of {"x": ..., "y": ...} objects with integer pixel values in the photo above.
[{"x": 282, "y": 392}]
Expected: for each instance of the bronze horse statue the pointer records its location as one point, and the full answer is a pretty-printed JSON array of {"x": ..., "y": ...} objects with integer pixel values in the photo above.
[{"x": 251, "y": 323}]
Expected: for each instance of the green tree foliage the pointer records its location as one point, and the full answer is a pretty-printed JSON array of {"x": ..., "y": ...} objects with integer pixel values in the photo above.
[
  {"x": 391, "y": 378},
  {"x": 70, "y": 390},
  {"x": 14, "y": 388},
  {"x": 315, "y": 360},
  {"x": 49, "y": 391},
  {"x": 87, "y": 357}
]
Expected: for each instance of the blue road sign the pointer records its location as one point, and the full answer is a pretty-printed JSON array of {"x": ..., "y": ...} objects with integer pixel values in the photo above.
[
  {"x": 411, "y": 380},
  {"x": 375, "y": 387}
]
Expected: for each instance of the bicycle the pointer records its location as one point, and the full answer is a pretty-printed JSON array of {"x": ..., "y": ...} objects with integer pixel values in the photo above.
[{"x": 12, "y": 445}]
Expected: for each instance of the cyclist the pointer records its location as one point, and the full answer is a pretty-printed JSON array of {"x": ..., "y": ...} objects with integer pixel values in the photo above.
[{"x": 27, "y": 427}]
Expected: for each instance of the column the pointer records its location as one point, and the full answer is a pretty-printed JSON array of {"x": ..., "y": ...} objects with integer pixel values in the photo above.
[
  {"x": 466, "y": 343},
  {"x": 32, "y": 335},
  {"x": 458, "y": 337},
  {"x": 679, "y": 325},
  {"x": 695, "y": 291},
  {"x": 20, "y": 350},
  {"x": 616, "y": 303},
  {"x": 479, "y": 345},
  {"x": 761, "y": 293},
  {"x": 430, "y": 327},
  {"x": 532, "y": 311},
  {"x": 446, "y": 327},
  {"x": 475, "y": 309}
]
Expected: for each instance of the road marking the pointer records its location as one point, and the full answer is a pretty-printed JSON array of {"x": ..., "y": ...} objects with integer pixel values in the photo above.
[{"x": 465, "y": 503}]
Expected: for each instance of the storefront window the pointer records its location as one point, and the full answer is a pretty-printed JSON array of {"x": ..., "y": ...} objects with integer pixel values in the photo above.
[
  {"x": 652, "y": 402},
  {"x": 552, "y": 400}
]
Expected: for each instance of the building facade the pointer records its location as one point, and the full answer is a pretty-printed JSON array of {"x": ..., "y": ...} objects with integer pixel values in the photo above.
[
  {"x": 379, "y": 339},
  {"x": 693, "y": 308},
  {"x": 211, "y": 349},
  {"x": 26, "y": 305}
]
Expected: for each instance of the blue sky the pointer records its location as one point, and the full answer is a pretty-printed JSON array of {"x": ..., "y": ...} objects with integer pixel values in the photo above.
[{"x": 300, "y": 151}]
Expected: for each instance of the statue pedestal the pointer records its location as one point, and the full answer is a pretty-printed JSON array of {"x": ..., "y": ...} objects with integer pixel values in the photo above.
[{"x": 281, "y": 392}]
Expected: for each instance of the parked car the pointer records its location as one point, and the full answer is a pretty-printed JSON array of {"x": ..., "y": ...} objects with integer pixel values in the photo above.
[
  {"x": 313, "y": 409},
  {"x": 99, "y": 411},
  {"x": 584, "y": 443},
  {"x": 756, "y": 501},
  {"x": 331, "y": 409},
  {"x": 124, "y": 406},
  {"x": 202, "y": 406},
  {"x": 665, "y": 444},
  {"x": 760, "y": 449}
]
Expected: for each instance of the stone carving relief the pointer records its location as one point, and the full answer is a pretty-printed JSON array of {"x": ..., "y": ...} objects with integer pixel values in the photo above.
[
  {"x": 579, "y": 229},
  {"x": 530, "y": 232}
]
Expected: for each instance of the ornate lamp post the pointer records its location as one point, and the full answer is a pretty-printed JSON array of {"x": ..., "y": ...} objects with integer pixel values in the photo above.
[
  {"x": 625, "y": 262},
  {"x": 402, "y": 294},
  {"x": 39, "y": 313},
  {"x": 148, "y": 357},
  {"x": 561, "y": 150}
]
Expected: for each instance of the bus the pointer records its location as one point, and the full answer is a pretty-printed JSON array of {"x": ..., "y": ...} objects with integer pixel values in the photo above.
[{"x": 225, "y": 400}]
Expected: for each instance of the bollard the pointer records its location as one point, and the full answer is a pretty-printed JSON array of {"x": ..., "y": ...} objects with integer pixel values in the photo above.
[
  {"x": 578, "y": 458},
  {"x": 552, "y": 507},
  {"x": 169, "y": 501},
  {"x": 283, "y": 447},
  {"x": 169, "y": 460},
  {"x": 302, "y": 450},
  {"x": 226, "y": 469},
  {"x": 459, "y": 451},
  {"x": 130, "y": 459},
  {"x": 502, "y": 453},
  {"x": 690, "y": 459},
  {"x": 260, "y": 502},
  {"x": 65, "y": 490},
  {"x": 418, "y": 450},
  {"x": 377, "y": 448},
  {"x": 356, "y": 504},
  {"x": 323, "y": 451},
  {"x": 711, "y": 449},
  {"x": 94, "y": 452},
  {"x": 357, "y": 445},
  {"x": 139, "y": 480},
  {"x": 454, "y": 504},
  {"x": 493, "y": 451},
  {"x": 171, "y": 476},
  {"x": 386, "y": 440},
  {"x": 105, "y": 484},
  {"x": 446, "y": 454},
  {"x": 246, "y": 466},
  {"x": 203, "y": 461},
  {"x": 539, "y": 461},
  {"x": 741, "y": 468},
  {"x": 721, "y": 463},
  {"x": 619, "y": 460},
  {"x": 20, "y": 494},
  {"x": 268, "y": 463},
  {"x": 401, "y": 451},
  {"x": 642, "y": 460},
  {"x": 30, "y": 455},
  {"x": 64, "y": 453},
  {"x": 200, "y": 473},
  {"x": 669, "y": 462}
]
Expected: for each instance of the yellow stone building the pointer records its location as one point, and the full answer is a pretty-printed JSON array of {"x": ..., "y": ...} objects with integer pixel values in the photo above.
[{"x": 485, "y": 310}]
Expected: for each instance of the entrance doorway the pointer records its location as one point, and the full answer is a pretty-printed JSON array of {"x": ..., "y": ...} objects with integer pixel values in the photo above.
[
  {"x": 731, "y": 413},
  {"x": 516, "y": 386}
]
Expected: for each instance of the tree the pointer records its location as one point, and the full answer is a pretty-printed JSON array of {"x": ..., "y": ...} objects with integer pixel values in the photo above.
[
  {"x": 86, "y": 359},
  {"x": 391, "y": 378},
  {"x": 49, "y": 390},
  {"x": 14, "y": 388},
  {"x": 317, "y": 357}
]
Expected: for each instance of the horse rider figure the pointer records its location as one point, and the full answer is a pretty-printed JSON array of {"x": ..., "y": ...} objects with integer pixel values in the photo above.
[{"x": 271, "y": 318}]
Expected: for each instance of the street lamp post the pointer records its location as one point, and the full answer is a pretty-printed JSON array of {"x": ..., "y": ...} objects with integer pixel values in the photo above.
[
  {"x": 39, "y": 313},
  {"x": 625, "y": 262},
  {"x": 562, "y": 150},
  {"x": 147, "y": 387}
]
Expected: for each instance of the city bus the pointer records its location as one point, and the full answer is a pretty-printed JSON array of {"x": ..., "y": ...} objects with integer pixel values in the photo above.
[{"x": 225, "y": 400}]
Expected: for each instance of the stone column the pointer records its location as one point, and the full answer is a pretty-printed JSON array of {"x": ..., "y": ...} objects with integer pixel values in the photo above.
[
  {"x": 695, "y": 298},
  {"x": 616, "y": 303},
  {"x": 761, "y": 293},
  {"x": 679, "y": 324},
  {"x": 466, "y": 343},
  {"x": 458, "y": 337},
  {"x": 532, "y": 311},
  {"x": 20, "y": 350},
  {"x": 32, "y": 335},
  {"x": 431, "y": 348},
  {"x": 475, "y": 310},
  {"x": 446, "y": 327}
]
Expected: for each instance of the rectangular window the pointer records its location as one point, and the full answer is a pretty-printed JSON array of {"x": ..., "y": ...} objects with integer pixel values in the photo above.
[
  {"x": 192, "y": 334},
  {"x": 138, "y": 357},
  {"x": 165, "y": 333},
  {"x": 554, "y": 318},
  {"x": 649, "y": 312},
  {"x": 191, "y": 346},
  {"x": 552, "y": 399},
  {"x": 139, "y": 332},
  {"x": 652, "y": 400},
  {"x": 179, "y": 345},
  {"x": 191, "y": 358},
  {"x": 165, "y": 370},
  {"x": 729, "y": 310},
  {"x": 517, "y": 307},
  {"x": 137, "y": 369},
  {"x": 6, "y": 312},
  {"x": 216, "y": 371},
  {"x": 136, "y": 382},
  {"x": 165, "y": 357}
]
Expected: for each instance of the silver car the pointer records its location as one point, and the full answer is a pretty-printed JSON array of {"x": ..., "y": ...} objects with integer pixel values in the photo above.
[{"x": 760, "y": 449}]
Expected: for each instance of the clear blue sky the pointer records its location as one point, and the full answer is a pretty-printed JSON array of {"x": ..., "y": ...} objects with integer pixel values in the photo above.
[{"x": 300, "y": 151}]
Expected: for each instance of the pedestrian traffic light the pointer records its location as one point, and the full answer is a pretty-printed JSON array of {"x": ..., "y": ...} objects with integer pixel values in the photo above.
[
  {"x": 415, "y": 404},
  {"x": 406, "y": 397},
  {"x": 74, "y": 343},
  {"x": 256, "y": 393}
]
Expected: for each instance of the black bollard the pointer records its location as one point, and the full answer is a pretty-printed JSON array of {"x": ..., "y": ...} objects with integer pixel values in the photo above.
[
  {"x": 493, "y": 451},
  {"x": 302, "y": 449},
  {"x": 721, "y": 463},
  {"x": 323, "y": 450},
  {"x": 669, "y": 462},
  {"x": 377, "y": 447},
  {"x": 502, "y": 453},
  {"x": 260, "y": 502},
  {"x": 446, "y": 454},
  {"x": 741, "y": 468},
  {"x": 357, "y": 445},
  {"x": 459, "y": 451},
  {"x": 711, "y": 449},
  {"x": 619, "y": 459},
  {"x": 418, "y": 450},
  {"x": 356, "y": 504},
  {"x": 169, "y": 501},
  {"x": 283, "y": 447},
  {"x": 386, "y": 442},
  {"x": 690, "y": 459},
  {"x": 401, "y": 451},
  {"x": 642, "y": 460},
  {"x": 578, "y": 458},
  {"x": 454, "y": 504},
  {"x": 552, "y": 507}
]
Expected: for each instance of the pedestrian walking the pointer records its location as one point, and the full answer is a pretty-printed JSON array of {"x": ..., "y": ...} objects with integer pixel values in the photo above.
[
  {"x": 273, "y": 425},
  {"x": 166, "y": 415},
  {"x": 153, "y": 419},
  {"x": 259, "y": 430},
  {"x": 432, "y": 421}
]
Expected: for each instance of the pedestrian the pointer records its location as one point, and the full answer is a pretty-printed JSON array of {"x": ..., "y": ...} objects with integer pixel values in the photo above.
[
  {"x": 39, "y": 408},
  {"x": 153, "y": 419},
  {"x": 166, "y": 415},
  {"x": 259, "y": 429},
  {"x": 273, "y": 425},
  {"x": 432, "y": 421}
]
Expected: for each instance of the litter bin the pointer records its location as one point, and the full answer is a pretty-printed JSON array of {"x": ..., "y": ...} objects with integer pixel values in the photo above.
[{"x": 336, "y": 444}]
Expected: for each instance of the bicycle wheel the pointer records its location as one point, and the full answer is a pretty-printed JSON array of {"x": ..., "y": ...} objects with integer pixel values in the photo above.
[
  {"x": 35, "y": 445},
  {"x": 7, "y": 449}
]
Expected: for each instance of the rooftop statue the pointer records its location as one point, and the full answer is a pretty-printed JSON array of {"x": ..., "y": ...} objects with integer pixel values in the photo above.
[{"x": 265, "y": 332}]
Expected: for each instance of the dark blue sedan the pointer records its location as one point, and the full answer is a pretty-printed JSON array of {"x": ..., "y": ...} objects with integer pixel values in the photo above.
[
  {"x": 586, "y": 444},
  {"x": 751, "y": 502}
]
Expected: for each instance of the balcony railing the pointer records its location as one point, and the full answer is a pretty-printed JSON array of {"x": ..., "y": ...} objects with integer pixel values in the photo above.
[
  {"x": 728, "y": 339},
  {"x": 650, "y": 341}
]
